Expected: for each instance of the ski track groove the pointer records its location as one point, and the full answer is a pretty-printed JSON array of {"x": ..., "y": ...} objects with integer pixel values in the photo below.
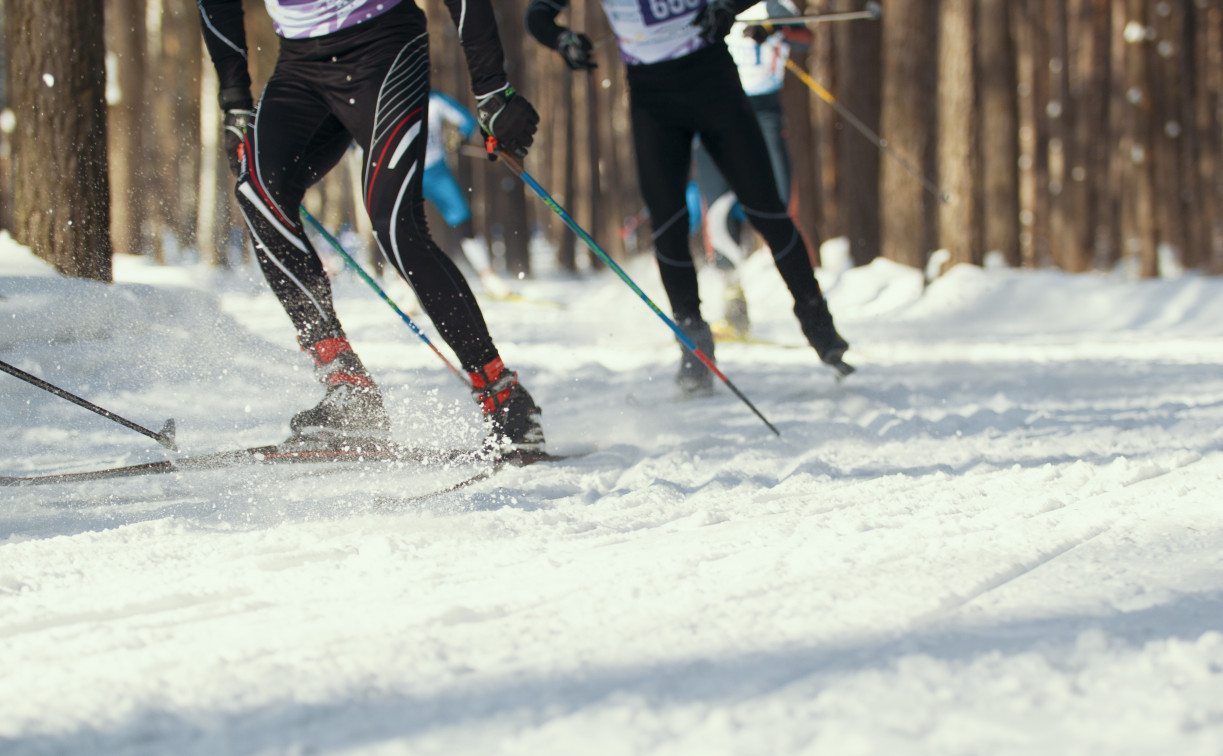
[{"x": 948, "y": 606}]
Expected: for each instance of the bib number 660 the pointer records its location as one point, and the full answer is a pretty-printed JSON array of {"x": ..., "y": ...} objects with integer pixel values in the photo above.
[{"x": 662, "y": 10}]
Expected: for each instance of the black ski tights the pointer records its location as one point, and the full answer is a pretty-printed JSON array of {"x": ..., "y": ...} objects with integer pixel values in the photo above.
[
  {"x": 369, "y": 84},
  {"x": 674, "y": 101}
]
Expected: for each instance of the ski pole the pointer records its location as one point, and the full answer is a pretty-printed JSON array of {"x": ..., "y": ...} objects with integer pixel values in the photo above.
[
  {"x": 353, "y": 263},
  {"x": 827, "y": 97},
  {"x": 165, "y": 437},
  {"x": 696, "y": 351},
  {"x": 871, "y": 13}
]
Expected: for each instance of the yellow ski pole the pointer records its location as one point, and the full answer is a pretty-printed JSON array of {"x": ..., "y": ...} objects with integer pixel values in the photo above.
[{"x": 854, "y": 121}]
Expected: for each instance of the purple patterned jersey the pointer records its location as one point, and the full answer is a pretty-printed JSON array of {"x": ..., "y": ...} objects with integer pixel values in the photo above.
[{"x": 299, "y": 19}]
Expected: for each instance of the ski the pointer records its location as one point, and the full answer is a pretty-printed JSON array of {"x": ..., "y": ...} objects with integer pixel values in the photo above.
[
  {"x": 517, "y": 298},
  {"x": 726, "y": 336},
  {"x": 293, "y": 453},
  {"x": 399, "y": 501},
  {"x": 520, "y": 459}
]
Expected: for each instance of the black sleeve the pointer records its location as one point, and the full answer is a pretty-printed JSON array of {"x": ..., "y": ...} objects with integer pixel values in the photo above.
[
  {"x": 225, "y": 37},
  {"x": 477, "y": 26},
  {"x": 541, "y": 20}
]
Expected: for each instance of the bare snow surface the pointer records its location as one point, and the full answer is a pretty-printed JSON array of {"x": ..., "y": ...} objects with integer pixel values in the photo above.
[{"x": 1001, "y": 536}]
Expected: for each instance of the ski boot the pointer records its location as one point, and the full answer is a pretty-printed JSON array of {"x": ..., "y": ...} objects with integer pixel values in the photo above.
[
  {"x": 822, "y": 335},
  {"x": 735, "y": 326},
  {"x": 351, "y": 411},
  {"x": 693, "y": 378},
  {"x": 513, "y": 419}
]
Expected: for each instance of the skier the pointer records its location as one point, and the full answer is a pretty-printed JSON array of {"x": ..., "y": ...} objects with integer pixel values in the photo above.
[
  {"x": 444, "y": 192},
  {"x": 760, "y": 51},
  {"x": 682, "y": 84},
  {"x": 360, "y": 70}
]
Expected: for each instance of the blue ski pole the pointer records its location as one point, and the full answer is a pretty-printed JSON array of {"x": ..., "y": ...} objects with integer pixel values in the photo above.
[
  {"x": 515, "y": 166},
  {"x": 353, "y": 263}
]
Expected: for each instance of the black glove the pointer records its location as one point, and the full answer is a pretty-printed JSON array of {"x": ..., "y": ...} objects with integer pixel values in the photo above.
[
  {"x": 576, "y": 48},
  {"x": 758, "y": 33},
  {"x": 715, "y": 19},
  {"x": 510, "y": 119},
  {"x": 237, "y": 121}
]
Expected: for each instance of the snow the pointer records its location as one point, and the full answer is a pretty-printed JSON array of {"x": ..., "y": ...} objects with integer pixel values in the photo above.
[{"x": 1001, "y": 535}]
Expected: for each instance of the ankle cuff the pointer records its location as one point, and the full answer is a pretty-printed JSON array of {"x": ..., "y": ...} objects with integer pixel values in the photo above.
[
  {"x": 326, "y": 350},
  {"x": 487, "y": 375},
  {"x": 491, "y": 386},
  {"x": 337, "y": 377}
]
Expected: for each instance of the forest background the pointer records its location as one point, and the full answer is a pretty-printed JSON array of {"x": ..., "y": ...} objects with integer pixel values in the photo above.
[{"x": 1077, "y": 134}]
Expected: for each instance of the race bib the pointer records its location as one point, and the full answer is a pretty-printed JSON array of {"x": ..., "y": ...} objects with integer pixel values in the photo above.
[{"x": 660, "y": 11}]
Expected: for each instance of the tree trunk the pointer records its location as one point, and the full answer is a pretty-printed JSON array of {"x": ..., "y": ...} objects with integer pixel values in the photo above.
[
  {"x": 586, "y": 139},
  {"x": 1110, "y": 239},
  {"x": 566, "y": 251},
  {"x": 999, "y": 132},
  {"x": 209, "y": 235},
  {"x": 906, "y": 124},
  {"x": 127, "y": 126},
  {"x": 61, "y": 188},
  {"x": 807, "y": 205},
  {"x": 1054, "y": 72},
  {"x": 1138, "y": 216},
  {"x": 1033, "y": 45},
  {"x": 175, "y": 56},
  {"x": 629, "y": 194},
  {"x": 817, "y": 168},
  {"x": 1192, "y": 153},
  {"x": 1169, "y": 92},
  {"x": 959, "y": 225},
  {"x": 858, "y": 60},
  {"x": 6, "y": 176},
  {"x": 6, "y": 146},
  {"x": 606, "y": 81},
  {"x": 1208, "y": 62},
  {"x": 1092, "y": 123}
]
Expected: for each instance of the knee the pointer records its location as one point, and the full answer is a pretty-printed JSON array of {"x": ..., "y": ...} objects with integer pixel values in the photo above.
[
  {"x": 405, "y": 224},
  {"x": 257, "y": 198}
]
